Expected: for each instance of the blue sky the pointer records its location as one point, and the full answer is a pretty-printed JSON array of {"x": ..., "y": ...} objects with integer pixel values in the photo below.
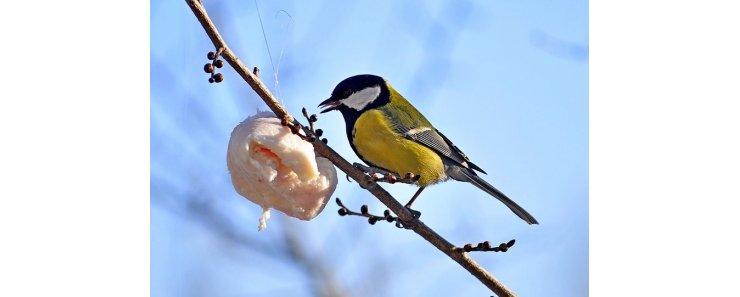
[{"x": 507, "y": 81}]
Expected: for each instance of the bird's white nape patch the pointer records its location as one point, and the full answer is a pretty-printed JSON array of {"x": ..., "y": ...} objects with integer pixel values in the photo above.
[{"x": 359, "y": 100}]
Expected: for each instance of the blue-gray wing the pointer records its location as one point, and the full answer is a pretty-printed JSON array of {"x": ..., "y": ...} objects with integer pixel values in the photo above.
[{"x": 433, "y": 139}]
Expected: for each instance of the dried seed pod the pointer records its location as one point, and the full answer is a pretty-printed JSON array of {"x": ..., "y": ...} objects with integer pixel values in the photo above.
[
  {"x": 211, "y": 80},
  {"x": 211, "y": 55},
  {"x": 219, "y": 77},
  {"x": 218, "y": 63},
  {"x": 343, "y": 212},
  {"x": 208, "y": 68},
  {"x": 364, "y": 209},
  {"x": 372, "y": 220}
]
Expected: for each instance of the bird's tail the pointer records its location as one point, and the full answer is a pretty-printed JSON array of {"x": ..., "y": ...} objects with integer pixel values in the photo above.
[{"x": 472, "y": 178}]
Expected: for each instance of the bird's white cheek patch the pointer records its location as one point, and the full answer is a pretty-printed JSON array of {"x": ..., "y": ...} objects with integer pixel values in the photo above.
[{"x": 360, "y": 99}]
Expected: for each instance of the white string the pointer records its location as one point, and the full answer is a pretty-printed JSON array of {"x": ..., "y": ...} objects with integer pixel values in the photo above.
[
  {"x": 275, "y": 70},
  {"x": 282, "y": 47}
]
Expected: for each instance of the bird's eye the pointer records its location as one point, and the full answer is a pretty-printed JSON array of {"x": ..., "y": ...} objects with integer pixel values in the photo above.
[{"x": 346, "y": 93}]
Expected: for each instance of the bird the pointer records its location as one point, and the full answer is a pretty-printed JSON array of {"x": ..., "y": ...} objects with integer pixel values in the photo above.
[{"x": 389, "y": 134}]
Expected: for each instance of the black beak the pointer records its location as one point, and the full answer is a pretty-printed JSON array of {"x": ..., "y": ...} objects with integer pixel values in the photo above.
[{"x": 330, "y": 105}]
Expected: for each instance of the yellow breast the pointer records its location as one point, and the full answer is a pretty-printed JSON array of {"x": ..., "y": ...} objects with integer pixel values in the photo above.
[{"x": 377, "y": 142}]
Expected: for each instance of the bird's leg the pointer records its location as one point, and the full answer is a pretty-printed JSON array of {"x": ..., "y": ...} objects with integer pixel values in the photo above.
[
  {"x": 416, "y": 195},
  {"x": 416, "y": 213}
]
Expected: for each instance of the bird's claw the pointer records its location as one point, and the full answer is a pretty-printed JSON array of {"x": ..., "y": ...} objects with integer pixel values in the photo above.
[
  {"x": 408, "y": 225},
  {"x": 415, "y": 213}
]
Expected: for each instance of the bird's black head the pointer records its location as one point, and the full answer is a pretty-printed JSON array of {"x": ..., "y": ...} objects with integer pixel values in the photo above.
[{"x": 357, "y": 93}]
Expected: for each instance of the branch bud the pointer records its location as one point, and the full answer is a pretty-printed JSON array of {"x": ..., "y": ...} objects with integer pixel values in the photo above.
[{"x": 208, "y": 68}]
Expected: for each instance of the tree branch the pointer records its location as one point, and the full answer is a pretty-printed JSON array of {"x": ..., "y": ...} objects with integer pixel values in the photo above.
[{"x": 360, "y": 177}]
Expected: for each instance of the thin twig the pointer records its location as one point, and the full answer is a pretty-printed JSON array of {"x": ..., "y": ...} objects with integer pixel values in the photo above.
[
  {"x": 362, "y": 179},
  {"x": 371, "y": 218},
  {"x": 486, "y": 247}
]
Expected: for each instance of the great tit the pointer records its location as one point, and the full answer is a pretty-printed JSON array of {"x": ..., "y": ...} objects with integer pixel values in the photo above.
[{"x": 387, "y": 132}]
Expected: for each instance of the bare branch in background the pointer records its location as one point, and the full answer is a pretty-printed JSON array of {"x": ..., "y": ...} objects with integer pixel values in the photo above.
[
  {"x": 366, "y": 182},
  {"x": 325, "y": 284},
  {"x": 197, "y": 206}
]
